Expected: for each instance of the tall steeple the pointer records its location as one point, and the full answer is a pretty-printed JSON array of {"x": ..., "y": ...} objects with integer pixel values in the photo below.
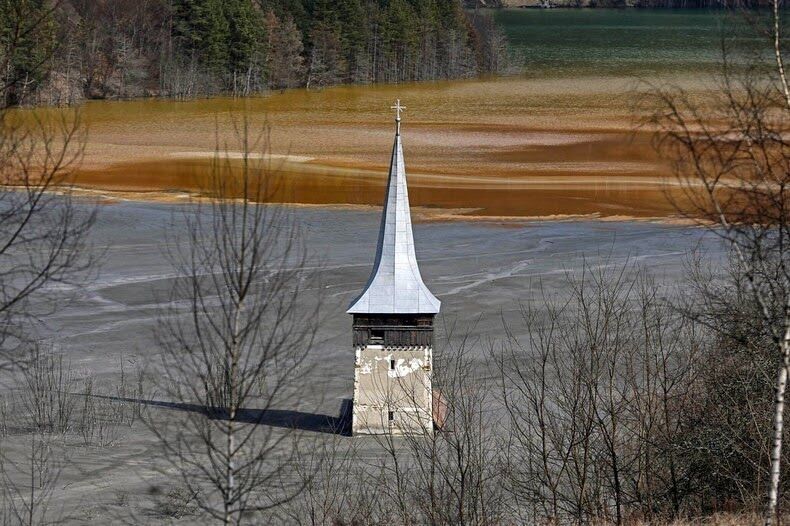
[
  {"x": 395, "y": 286},
  {"x": 393, "y": 325}
]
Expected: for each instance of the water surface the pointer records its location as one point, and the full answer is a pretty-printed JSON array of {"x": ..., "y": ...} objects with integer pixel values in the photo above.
[
  {"x": 637, "y": 42},
  {"x": 561, "y": 139}
]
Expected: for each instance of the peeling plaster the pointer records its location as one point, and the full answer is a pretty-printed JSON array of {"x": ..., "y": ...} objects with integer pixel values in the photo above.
[
  {"x": 401, "y": 369},
  {"x": 377, "y": 393}
]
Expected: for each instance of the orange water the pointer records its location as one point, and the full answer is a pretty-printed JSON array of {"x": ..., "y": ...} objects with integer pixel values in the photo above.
[{"x": 512, "y": 146}]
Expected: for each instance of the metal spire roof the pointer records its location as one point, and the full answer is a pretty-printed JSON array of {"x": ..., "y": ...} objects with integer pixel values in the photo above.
[{"x": 395, "y": 285}]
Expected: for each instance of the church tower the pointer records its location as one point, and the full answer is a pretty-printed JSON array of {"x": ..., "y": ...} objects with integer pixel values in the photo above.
[{"x": 393, "y": 324}]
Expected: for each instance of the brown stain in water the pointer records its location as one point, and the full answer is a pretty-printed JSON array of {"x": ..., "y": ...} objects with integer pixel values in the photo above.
[
  {"x": 525, "y": 192},
  {"x": 506, "y": 147}
]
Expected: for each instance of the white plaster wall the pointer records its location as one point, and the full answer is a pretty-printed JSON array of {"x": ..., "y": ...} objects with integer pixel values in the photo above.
[{"x": 405, "y": 390}]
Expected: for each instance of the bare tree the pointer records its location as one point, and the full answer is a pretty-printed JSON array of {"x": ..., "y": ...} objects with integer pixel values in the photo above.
[
  {"x": 728, "y": 423},
  {"x": 595, "y": 399},
  {"x": 732, "y": 159},
  {"x": 340, "y": 487},
  {"x": 235, "y": 339},
  {"x": 43, "y": 236},
  {"x": 43, "y": 231},
  {"x": 28, "y": 484},
  {"x": 41, "y": 414},
  {"x": 449, "y": 471}
]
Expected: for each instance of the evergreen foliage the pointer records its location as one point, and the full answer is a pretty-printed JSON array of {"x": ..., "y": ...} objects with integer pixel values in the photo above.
[
  {"x": 26, "y": 42},
  {"x": 187, "y": 48}
]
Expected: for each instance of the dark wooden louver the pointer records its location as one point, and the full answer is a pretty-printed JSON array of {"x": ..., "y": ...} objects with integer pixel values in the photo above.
[{"x": 393, "y": 330}]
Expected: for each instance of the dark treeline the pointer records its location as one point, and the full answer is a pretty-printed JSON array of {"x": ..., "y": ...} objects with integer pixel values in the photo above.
[
  {"x": 75, "y": 49},
  {"x": 647, "y": 4}
]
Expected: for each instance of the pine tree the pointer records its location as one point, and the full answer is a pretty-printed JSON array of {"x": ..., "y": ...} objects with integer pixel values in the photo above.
[
  {"x": 27, "y": 40},
  {"x": 297, "y": 10},
  {"x": 326, "y": 63},
  {"x": 188, "y": 48},
  {"x": 201, "y": 30},
  {"x": 353, "y": 38},
  {"x": 246, "y": 39},
  {"x": 400, "y": 40},
  {"x": 285, "y": 64}
]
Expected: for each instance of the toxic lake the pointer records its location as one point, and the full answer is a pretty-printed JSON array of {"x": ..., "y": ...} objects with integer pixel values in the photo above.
[
  {"x": 543, "y": 221},
  {"x": 562, "y": 138}
]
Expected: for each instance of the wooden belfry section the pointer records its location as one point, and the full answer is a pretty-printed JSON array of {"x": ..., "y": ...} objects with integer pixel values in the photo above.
[{"x": 393, "y": 324}]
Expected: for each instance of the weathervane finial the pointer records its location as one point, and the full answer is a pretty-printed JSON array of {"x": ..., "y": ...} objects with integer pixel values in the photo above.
[{"x": 398, "y": 108}]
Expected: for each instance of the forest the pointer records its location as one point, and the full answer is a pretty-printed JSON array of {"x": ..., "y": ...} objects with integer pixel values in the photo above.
[
  {"x": 616, "y": 4},
  {"x": 70, "y": 50}
]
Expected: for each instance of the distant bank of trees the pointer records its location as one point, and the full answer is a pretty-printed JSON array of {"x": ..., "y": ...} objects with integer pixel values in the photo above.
[
  {"x": 64, "y": 51},
  {"x": 650, "y": 4}
]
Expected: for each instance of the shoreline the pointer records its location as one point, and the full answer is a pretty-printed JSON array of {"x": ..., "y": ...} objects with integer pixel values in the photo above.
[{"x": 420, "y": 214}]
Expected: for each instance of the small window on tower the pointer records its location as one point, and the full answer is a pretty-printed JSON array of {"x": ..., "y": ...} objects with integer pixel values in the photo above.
[
  {"x": 392, "y": 364},
  {"x": 391, "y": 416},
  {"x": 376, "y": 336}
]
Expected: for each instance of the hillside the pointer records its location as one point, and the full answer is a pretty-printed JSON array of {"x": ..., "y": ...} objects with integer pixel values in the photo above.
[{"x": 189, "y": 48}]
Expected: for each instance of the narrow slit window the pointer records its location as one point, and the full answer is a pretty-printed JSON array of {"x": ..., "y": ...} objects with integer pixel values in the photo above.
[
  {"x": 392, "y": 364},
  {"x": 391, "y": 416}
]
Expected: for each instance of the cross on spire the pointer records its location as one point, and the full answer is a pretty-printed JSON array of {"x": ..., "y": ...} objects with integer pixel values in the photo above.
[
  {"x": 398, "y": 108},
  {"x": 395, "y": 285}
]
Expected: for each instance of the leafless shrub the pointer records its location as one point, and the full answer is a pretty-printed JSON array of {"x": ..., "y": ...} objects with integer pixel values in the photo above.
[
  {"x": 4, "y": 416},
  {"x": 47, "y": 407},
  {"x": 178, "y": 503},
  {"x": 105, "y": 423},
  {"x": 731, "y": 157},
  {"x": 52, "y": 398},
  {"x": 596, "y": 398},
  {"x": 104, "y": 416},
  {"x": 43, "y": 399},
  {"x": 28, "y": 484},
  {"x": 131, "y": 397},
  {"x": 87, "y": 415},
  {"x": 338, "y": 488},
  {"x": 48, "y": 391}
]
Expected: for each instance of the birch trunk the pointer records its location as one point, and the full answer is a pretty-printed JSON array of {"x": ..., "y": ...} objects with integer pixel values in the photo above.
[
  {"x": 776, "y": 445},
  {"x": 781, "y": 384}
]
